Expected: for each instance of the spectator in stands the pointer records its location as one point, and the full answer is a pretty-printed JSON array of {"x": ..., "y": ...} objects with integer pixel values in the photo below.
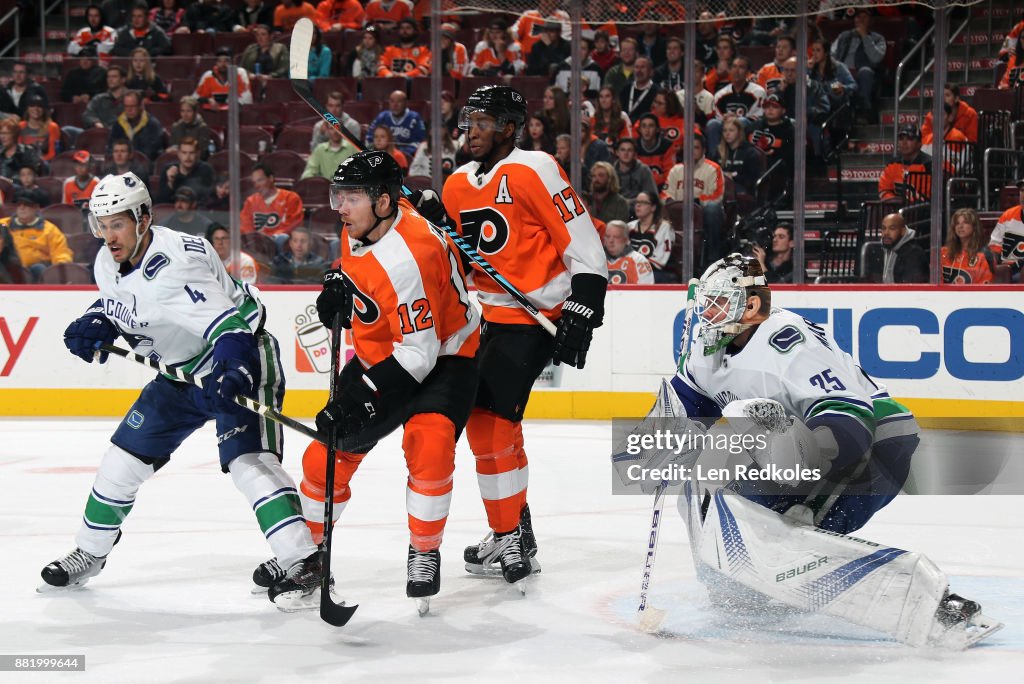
[
  {"x": 245, "y": 270},
  {"x": 141, "y": 34},
  {"x": 900, "y": 259},
  {"x": 297, "y": 265},
  {"x": 271, "y": 210},
  {"x": 651, "y": 235},
  {"x": 264, "y": 59},
  {"x": 896, "y": 181},
  {"x": 142, "y": 77},
  {"x": 185, "y": 217},
  {"x": 775, "y": 135},
  {"x": 708, "y": 193},
  {"x": 385, "y": 14},
  {"x": 319, "y": 57},
  {"x": 668, "y": 110},
  {"x": 409, "y": 58},
  {"x": 406, "y": 126},
  {"x": 116, "y": 13},
  {"x": 365, "y": 57},
  {"x": 738, "y": 158},
  {"x": 609, "y": 122},
  {"x": 103, "y": 109},
  {"x": 333, "y": 105},
  {"x": 254, "y": 13},
  {"x": 189, "y": 171},
  {"x": 653, "y": 149},
  {"x": 454, "y": 56},
  {"x": 96, "y": 34},
  {"x": 38, "y": 129},
  {"x": 1012, "y": 52},
  {"x": 135, "y": 124},
  {"x": 218, "y": 202},
  {"x": 383, "y": 139},
  {"x": 21, "y": 87},
  {"x": 39, "y": 243},
  {"x": 622, "y": 72},
  {"x": 422, "y": 162},
  {"x": 190, "y": 124},
  {"x": 449, "y": 114},
  {"x": 14, "y": 155},
  {"x": 326, "y": 156},
  {"x": 78, "y": 188},
  {"x": 704, "y": 99},
  {"x": 86, "y": 80},
  {"x": 778, "y": 268},
  {"x": 603, "y": 54},
  {"x": 634, "y": 176},
  {"x": 28, "y": 179},
  {"x": 959, "y": 115},
  {"x": 538, "y": 136},
  {"x": 770, "y": 75},
  {"x": 718, "y": 75},
  {"x": 290, "y": 11},
  {"x": 638, "y": 93},
  {"x": 10, "y": 265},
  {"x": 122, "y": 160},
  {"x": 497, "y": 54},
  {"x": 340, "y": 15},
  {"x": 556, "y": 110},
  {"x": 740, "y": 98},
  {"x": 592, "y": 150},
  {"x": 213, "y": 87},
  {"x": 563, "y": 152},
  {"x": 707, "y": 39},
  {"x": 212, "y": 16},
  {"x": 1007, "y": 240},
  {"x": 168, "y": 16},
  {"x": 818, "y": 106},
  {"x": 965, "y": 258},
  {"x": 669, "y": 76},
  {"x": 604, "y": 199},
  {"x": 626, "y": 265},
  {"x": 527, "y": 28},
  {"x": 549, "y": 52},
  {"x": 834, "y": 76},
  {"x": 862, "y": 51}
]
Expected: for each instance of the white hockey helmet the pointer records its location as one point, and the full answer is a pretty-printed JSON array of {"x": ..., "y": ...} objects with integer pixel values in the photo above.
[
  {"x": 115, "y": 194},
  {"x": 722, "y": 297}
]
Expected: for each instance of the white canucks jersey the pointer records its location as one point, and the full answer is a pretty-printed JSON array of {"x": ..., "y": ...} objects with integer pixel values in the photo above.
[
  {"x": 176, "y": 303},
  {"x": 797, "y": 363}
]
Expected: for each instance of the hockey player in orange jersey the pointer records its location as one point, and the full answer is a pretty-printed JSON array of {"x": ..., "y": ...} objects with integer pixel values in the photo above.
[
  {"x": 402, "y": 292},
  {"x": 520, "y": 212}
]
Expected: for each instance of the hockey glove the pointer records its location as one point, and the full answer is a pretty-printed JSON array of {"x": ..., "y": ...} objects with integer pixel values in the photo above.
[
  {"x": 429, "y": 205},
  {"x": 232, "y": 372},
  {"x": 582, "y": 312},
  {"x": 85, "y": 335},
  {"x": 335, "y": 298},
  {"x": 368, "y": 398}
]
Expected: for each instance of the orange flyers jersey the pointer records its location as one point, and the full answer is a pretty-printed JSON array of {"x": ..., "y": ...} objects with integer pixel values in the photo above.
[
  {"x": 400, "y": 61},
  {"x": 527, "y": 29},
  {"x": 280, "y": 215},
  {"x": 527, "y": 221},
  {"x": 377, "y": 12},
  {"x": 769, "y": 77},
  {"x": 965, "y": 270},
  {"x": 410, "y": 297},
  {"x": 73, "y": 193},
  {"x": 1007, "y": 238},
  {"x": 631, "y": 268}
]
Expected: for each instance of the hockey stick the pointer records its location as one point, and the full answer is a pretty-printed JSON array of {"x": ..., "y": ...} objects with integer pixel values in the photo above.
[
  {"x": 302, "y": 39},
  {"x": 650, "y": 618},
  {"x": 331, "y": 612},
  {"x": 246, "y": 402}
]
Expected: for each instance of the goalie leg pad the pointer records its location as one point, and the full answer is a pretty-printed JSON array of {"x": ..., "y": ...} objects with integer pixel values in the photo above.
[
  {"x": 113, "y": 494},
  {"x": 275, "y": 501}
]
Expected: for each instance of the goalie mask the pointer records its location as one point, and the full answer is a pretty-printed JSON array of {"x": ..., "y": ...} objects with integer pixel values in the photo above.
[{"x": 722, "y": 298}]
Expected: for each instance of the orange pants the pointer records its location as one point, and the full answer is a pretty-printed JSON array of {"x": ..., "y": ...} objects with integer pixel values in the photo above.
[
  {"x": 501, "y": 467},
  {"x": 429, "y": 446}
]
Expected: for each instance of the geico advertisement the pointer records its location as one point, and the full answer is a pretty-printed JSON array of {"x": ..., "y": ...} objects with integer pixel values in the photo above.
[{"x": 928, "y": 343}]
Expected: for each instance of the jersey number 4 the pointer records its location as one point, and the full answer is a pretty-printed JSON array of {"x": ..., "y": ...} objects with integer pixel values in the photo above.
[{"x": 415, "y": 316}]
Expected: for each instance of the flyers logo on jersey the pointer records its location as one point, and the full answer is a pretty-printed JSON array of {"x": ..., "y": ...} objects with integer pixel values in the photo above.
[
  {"x": 617, "y": 277},
  {"x": 486, "y": 228},
  {"x": 365, "y": 309},
  {"x": 266, "y": 220}
]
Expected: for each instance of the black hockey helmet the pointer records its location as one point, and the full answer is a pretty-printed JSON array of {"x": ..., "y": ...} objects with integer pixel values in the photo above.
[
  {"x": 504, "y": 103},
  {"x": 374, "y": 171}
]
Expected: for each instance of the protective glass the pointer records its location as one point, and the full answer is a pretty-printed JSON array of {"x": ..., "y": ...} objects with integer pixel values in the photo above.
[
  {"x": 339, "y": 193},
  {"x": 485, "y": 122}
]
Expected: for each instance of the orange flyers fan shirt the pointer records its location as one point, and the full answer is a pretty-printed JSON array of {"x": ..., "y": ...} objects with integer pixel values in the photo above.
[
  {"x": 409, "y": 297},
  {"x": 525, "y": 219},
  {"x": 632, "y": 268},
  {"x": 965, "y": 270},
  {"x": 280, "y": 215}
]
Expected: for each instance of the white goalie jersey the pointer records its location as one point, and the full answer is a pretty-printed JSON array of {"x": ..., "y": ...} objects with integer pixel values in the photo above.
[{"x": 176, "y": 303}]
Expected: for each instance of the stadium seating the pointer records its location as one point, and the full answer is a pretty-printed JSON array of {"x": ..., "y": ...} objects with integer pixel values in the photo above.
[
  {"x": 66, "y": 274},
  {"x": 315, "y": 192},
  {"x": 287, "y": 165},
  {"x": 68, "y": 218},
  {"x": 295, "y": 138}
]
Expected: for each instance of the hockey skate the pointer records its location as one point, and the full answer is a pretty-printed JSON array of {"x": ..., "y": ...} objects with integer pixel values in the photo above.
[
  {"x": 482, "y": 558},
  {"x": 71, "y": 571},
  {"x": 959, "y": 624},
  {"x": 424, "y": 577},
  {"x": 512, "y": 554},
  {"x": 300, "y": 588},
  {"x": 267, "y": 574}
]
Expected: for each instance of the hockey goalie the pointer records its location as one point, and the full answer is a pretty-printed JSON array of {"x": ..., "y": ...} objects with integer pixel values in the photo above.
[{"x": 776, "y": 538}]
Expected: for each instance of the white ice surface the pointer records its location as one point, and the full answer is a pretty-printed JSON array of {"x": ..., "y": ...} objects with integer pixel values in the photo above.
[{"x": 173, "y": 603}]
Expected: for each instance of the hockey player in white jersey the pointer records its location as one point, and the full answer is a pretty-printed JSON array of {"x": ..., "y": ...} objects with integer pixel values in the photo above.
[
  {"x": 168, "y": 295},
  {"x": 764, "y": 370}
]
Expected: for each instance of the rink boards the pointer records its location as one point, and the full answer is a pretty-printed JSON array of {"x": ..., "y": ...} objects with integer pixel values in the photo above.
[{"x": 951, "y": 352}]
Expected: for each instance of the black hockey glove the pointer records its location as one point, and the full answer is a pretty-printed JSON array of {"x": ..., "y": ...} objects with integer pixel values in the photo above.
[
  {"x": 582, "y": 312},
  {"x": 367, "y": 398},
  {"x": 430, "y": 207},
  {"x": 335, "y": 298}
]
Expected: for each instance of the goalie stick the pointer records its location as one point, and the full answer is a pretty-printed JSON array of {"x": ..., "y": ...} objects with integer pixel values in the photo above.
[{"x": 302, "y": 39}]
